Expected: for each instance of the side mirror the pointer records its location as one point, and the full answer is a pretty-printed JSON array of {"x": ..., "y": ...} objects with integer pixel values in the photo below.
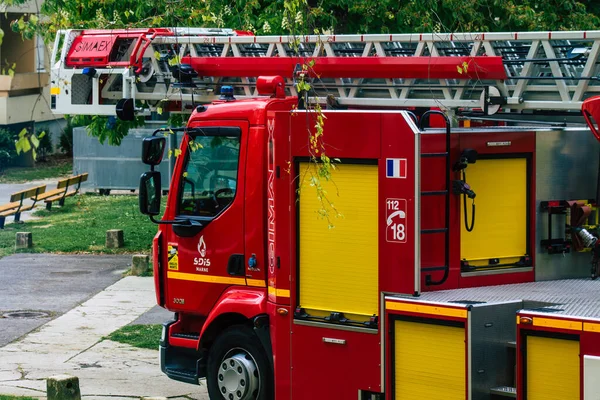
[
  {"x": 153, "y": 148},
  {"x": 150, "y": 191}
]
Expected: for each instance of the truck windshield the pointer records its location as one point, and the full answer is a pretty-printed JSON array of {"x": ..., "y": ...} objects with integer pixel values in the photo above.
[{"x": 209, "y": 179}]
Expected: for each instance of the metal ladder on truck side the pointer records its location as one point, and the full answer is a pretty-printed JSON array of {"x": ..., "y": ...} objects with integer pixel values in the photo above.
[{"x": 446, "y": 193}]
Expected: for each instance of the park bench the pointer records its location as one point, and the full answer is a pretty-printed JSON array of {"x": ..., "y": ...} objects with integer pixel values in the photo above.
[
  {"x": 64, "y": 188},
  {"x": 17, "y": 205}
]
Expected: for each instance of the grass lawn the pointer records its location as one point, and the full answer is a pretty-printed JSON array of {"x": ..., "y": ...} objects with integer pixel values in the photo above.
[
  {"x": 142, "y": 336},
  {"x": 80, "y": 227},
  {"x": 55, "y": 167}
]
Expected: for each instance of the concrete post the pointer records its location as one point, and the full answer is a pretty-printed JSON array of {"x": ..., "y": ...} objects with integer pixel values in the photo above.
[
  {"x": 24, "y": 240},
  {"x": 63, "y": 387},
  {"x": 140, "y": 264},
  {"x": 114, "y": 238}
]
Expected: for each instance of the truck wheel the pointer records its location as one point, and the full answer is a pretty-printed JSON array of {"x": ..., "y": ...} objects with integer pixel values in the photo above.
[{"x": 237, "y": 367}]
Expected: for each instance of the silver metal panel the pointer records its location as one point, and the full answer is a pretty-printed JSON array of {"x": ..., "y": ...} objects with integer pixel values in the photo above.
[
  {"x": 591, "y": 383},
  {"x": 566, "y": 169},
  {"x": 115, "y": 167},
  {"x": 492, "y": 362}
]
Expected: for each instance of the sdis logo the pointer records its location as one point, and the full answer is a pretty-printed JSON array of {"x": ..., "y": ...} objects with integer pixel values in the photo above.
[{"x": 202, "y": 263}]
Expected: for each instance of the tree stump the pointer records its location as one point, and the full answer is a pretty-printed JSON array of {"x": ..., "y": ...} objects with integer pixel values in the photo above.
[
  {"x": 140, "y": 264},
  {"x": 114, "y": 238},
  {"x": 24, "y": 240},
  {"x": 63, "y": 387}
]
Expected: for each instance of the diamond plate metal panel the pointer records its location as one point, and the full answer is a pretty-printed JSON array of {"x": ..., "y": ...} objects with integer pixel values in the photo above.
[{"x": 573, "y": 297}]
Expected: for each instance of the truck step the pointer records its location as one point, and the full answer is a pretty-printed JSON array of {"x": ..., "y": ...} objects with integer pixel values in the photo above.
[
  {"x": 182, "y": 375},
  {"x": 189, "y": 336},
  {"x": 504, "y": 391}
]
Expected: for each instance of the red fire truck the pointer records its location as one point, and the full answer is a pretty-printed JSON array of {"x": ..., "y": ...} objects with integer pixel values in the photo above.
[{"x": 441, "y": 260}]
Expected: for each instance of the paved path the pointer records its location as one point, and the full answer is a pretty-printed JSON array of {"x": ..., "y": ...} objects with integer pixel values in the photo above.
[
  {"x": 35, "y": 288},
  {"x": 72, "y": 344}
]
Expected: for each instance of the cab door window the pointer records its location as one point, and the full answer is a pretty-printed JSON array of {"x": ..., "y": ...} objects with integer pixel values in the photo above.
[{"x": 209, "y": 180}]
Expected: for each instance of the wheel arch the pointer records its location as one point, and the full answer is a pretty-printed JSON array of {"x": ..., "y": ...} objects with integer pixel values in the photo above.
[{"x": 238, "y": 306}]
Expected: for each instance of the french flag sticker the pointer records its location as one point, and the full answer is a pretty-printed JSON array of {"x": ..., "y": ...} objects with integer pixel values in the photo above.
[{"x": 396, "y": 168}]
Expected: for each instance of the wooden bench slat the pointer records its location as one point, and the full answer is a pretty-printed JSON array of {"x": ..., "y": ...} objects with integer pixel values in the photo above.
[
  {"x": 58, "y": 197},
  {"x": 14, "y": 211},
  {"x": 51, "y": 193},
  {"x": 63, "y": 183},
  {"x": 9, "y": 206},
  {"x": 24, "y": 194}
]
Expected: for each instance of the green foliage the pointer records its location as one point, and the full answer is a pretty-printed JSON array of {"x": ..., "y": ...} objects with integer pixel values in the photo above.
[
  {"x": 106, "y": 129},
  {"x": 8, "y": 152},
  {"x": 142, "y": 336},
  {"x": 337, "y": 16},
  {"x": 28, "y": 141},
  {"x": 11, "y": 397},
  {"x": 111, "y": 130},
  {"x": 45, "y": 147}
]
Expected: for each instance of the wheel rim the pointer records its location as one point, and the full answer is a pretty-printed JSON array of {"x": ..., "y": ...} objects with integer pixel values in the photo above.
[{"x": 238, "y": 377}]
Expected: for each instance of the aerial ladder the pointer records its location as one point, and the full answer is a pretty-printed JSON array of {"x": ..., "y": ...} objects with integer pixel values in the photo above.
[{"x": 507, "y": 74}]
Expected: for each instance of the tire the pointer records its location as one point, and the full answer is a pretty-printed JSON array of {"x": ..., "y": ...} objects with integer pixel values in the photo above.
[{"x": 238, "y": 366}]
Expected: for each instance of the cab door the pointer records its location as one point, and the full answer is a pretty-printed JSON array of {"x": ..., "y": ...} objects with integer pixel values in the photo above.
[{"x": 208, "y": 243}]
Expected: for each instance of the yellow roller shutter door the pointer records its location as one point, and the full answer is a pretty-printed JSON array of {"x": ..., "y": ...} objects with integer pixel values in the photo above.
[
  {"x": 552, "y": 369},
  {"x": 339, "y": 266},
  {"x": 429, "y": 361},
  {"x": 501, "y": 216}
]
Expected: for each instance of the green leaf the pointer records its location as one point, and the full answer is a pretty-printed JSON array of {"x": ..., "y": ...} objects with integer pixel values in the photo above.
[
  {"x": 42, "y": 134},
  {"x": 34, "y": 141},
  {"x": 22, "y": 133},
  {"x": 18, "y": 146},
  {"x": 26, "y": 146}
]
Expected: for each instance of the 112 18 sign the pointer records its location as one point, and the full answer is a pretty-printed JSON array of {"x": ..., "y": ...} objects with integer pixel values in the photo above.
[{"x": 396, "y": 220}]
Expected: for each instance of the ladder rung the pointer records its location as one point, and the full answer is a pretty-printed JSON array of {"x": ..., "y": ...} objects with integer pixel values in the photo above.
[
  {"x": 427, "y": 269},
  {"x": 436, "y": 230},
  {"x": 433, "y": 155},
  {"x": 434, "y": 193}
]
